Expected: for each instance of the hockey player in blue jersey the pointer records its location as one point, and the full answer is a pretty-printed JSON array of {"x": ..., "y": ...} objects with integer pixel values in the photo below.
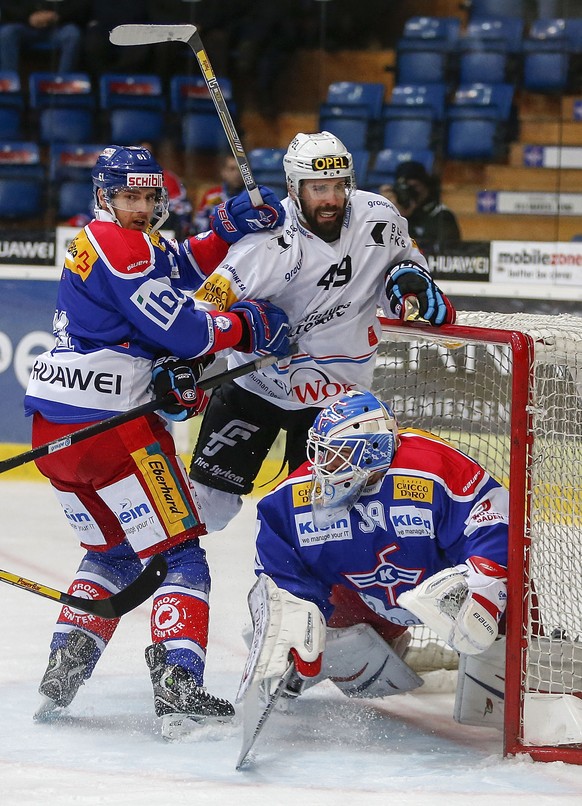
[
  {"x": 379, "y": 531},
  {"x": 121, "y": 320}
]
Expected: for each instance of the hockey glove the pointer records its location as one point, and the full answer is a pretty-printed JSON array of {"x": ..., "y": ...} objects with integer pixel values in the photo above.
[
  {"x": 177, "y": 378},
  {"x": 463, "y": 604},
  {"x": 236, "y": 217},
  {"x": 265, "y": 327},
  {"x": 408, "y": 279}
]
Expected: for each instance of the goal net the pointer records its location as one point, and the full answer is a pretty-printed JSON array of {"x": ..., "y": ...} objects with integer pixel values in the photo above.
[{"x": 507, "y": 389}]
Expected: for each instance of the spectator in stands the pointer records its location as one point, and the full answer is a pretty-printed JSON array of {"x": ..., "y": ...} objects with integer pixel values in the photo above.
[
  {"x": 231, "y": 184},
  {"x": 58, "y": 25},
  {"x": 416, "y": 194},
  {"x": 100, "y": 54}
]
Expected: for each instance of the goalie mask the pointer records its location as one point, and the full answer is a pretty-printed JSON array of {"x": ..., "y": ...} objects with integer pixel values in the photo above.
[
  {"x": 349, "y": 441},
  {"x": 317, "y": 156},
  {"x": 129, "y": 167}
]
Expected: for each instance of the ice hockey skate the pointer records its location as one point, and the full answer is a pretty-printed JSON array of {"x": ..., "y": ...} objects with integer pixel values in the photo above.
[
  {"x": 179, "y": 701},
  {"x": 68, "y": 668}
]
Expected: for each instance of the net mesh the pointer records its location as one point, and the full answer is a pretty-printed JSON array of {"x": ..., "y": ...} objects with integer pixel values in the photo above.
[{"x": 460, "y": 388}]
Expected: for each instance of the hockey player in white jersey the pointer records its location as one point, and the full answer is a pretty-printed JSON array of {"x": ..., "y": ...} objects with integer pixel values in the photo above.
[{"x": 341, "y": 254}]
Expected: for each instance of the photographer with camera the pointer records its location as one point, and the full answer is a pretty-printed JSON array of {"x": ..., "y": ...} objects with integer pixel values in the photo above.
[{"x": 416, "y": 194}]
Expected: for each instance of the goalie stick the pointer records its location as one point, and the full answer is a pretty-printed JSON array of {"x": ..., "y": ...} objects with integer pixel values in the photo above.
[
  {"x": 151, "y": 34},
  {"x": 112, "y": 607},
  {"x": 254, "y": 720},
  {"x": 112, "y": 422}
]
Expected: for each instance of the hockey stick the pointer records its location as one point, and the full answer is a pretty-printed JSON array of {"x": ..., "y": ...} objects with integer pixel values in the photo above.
[
  {"x": 114, "y": 606},
  {"x": 132, "y": 414},
  {"x": 152, "y": 34},
  {"x": 254, "y": 720}
]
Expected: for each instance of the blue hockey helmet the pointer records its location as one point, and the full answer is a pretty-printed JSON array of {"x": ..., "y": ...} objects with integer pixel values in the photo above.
[
  {"x": 349, "y": 441},
  {"x": 121, "y": 167}
]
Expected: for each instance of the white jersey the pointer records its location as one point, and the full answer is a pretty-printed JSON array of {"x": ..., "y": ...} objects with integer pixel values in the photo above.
[{"x": 330, "y": 292}]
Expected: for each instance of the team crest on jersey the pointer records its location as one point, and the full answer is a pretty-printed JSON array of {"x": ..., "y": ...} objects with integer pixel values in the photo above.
[
  {"x": 387, "y": 575},
  {"x": 81, "y": 256},
  {"x": 413, "y": 489}
]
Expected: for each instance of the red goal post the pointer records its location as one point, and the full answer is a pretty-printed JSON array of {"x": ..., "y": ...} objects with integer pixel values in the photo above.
[{"x": 507, "y": 389}]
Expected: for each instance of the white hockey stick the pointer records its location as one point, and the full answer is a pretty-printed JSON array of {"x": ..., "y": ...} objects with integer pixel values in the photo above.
[
  {"x": 254, "y": 720},
  {"x": 152, "y": 34}
]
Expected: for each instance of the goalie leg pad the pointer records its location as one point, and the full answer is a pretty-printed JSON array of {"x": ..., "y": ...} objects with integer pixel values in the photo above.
[
  {"x": 281, "y": 622},
  {"x": 480, "y": 694},
  {"x": 362, "y": 664}
]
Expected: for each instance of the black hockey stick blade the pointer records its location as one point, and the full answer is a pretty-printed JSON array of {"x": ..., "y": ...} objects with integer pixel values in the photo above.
[
  {"x": 114, "y": 606},
  {"x": 252, "y": 726},
  {"x": 153, "y": 405}
]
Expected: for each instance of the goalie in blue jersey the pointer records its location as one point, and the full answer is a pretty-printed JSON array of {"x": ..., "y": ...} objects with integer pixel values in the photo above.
[{"x": 380, "y": 530}]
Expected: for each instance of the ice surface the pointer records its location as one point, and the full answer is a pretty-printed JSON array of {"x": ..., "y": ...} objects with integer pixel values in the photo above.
[{"x": 401, "y": 750}]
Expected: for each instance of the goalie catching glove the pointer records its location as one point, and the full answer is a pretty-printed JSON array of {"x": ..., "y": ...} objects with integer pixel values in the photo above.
[
  {"x": 176, "y": 378},
  {"x": 236, "y": 217},
  {"x": 463, "y": 604},
  {"x": 284, "y": 628},
  {"x": 408, "y": 279}
]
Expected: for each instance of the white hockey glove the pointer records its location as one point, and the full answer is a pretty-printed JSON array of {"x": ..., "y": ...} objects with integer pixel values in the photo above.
[
  {"x": 463, "y": 604},
  {"x": 283, "y": 626}
]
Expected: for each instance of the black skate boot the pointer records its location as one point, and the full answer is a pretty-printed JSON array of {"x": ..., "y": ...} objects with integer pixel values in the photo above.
[
  {"x": 67, "y": 670},
  {"x": 179, "y": 701}
]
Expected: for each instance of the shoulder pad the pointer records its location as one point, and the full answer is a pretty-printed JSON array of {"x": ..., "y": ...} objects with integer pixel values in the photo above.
[{"x": 125, "y": 252}]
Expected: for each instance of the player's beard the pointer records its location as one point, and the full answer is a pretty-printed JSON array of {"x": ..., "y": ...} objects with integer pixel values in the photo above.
[{"x": 327, "y": 229}]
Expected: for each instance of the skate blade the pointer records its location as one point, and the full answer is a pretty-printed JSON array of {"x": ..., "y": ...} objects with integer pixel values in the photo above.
[
  {"x": 177, "y": 727},
  {"x": 47, "y": 710}
]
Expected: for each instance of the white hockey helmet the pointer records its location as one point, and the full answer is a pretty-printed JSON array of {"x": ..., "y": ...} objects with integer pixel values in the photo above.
[
  {"x": 349, "y": 441},
  {"x": 317, "y": 156}
]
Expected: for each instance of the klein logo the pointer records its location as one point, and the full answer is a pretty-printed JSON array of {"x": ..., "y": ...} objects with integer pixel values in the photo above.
[
  {"x": 228, "y": 435},
  {"x": 387, "y": 575}
]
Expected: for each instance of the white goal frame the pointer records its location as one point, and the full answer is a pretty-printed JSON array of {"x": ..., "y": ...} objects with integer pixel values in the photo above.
[{"x": 535, "y": 436}]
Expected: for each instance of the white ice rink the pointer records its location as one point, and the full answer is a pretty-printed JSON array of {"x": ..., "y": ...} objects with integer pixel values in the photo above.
[{"x": 402, "y": 750}]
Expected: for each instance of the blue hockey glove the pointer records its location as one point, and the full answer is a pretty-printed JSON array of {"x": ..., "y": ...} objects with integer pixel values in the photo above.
[
  {"x": 265, "y": 327},
  {"x": 177, "y": 378},
  {"x": 236, "y": 217},
  {"x": 408, "y": 279}
]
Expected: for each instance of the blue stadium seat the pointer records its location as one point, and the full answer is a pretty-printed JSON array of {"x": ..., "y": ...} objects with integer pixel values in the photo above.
[
  {"x": 203, "y": 131},
  {"x": 11, "y": 105},
  {"x": 545, "y": 71},
  {"x": 492, "y": 33},
  {"x": 482, "y": 100},
  {"x": 472, "y": 139},
  {"x": 353, "y": 132},
  {"x": 74, "y": 198},
  {"x": 407, "y": 132},
  {"x": 134, "y": 106},
  {"x": 418, "y": 99},
  {"x": 22, "y": 181},
  {"x": 387, "y": 161},
  {"x": 64, "y": 103},
  {"x": 190, "y": 94},
  {"x": 483, "y": 65},
  {"x": 437, "y": 33},
  {"x": 364, "y": 99},
  {"x": 513, "y": 9},
  {"x": 267, "y": 165},
  {"x": 421, "y": 66},
  {"x": 361, "y": 160},
  {"x": 73, "y": 161}
]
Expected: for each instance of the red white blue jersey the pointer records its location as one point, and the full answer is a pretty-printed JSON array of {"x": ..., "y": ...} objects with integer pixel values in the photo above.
[
  {"x": 120, "y": 304},
  {"x": 434, "y": 508},
  {"x": 330, "y": 292}
]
